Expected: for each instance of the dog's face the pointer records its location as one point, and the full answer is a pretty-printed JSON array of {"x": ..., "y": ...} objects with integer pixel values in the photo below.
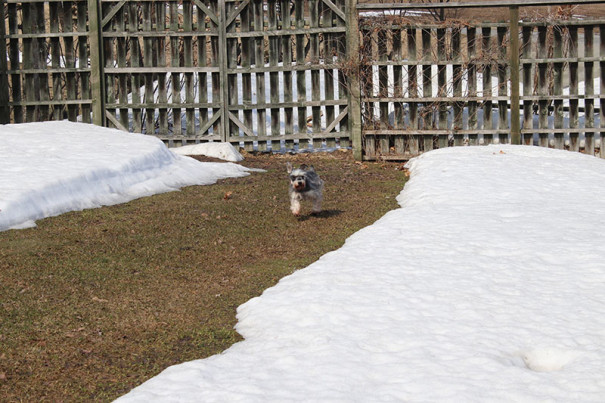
[{"x": 298, "y": 176}]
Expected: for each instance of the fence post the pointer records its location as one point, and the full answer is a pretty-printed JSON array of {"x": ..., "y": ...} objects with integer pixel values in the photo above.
[
  {"x": 353, "y": 78},
  {"x": 515, "y": 113},
  {"x": 222, "y": 51},
  {"x": 4, "y": 108},
  {"x": 96, "y": 63}
]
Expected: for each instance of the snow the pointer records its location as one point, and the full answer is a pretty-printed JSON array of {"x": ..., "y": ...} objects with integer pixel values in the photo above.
[
  {"x": 224, "y": 151},
  {"x": 50, "y": 168},
  {"x": 487, "y": 284}
]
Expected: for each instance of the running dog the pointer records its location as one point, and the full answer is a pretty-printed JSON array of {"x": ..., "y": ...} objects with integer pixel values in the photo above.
[{"x": 305, "y": 184}]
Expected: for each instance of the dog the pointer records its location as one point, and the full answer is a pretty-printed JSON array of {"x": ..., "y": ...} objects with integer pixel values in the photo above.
[{"x": 305, "y": 184}]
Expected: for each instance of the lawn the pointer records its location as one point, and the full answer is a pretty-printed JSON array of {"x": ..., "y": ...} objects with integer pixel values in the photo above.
[{"x": 96, "y": 302}]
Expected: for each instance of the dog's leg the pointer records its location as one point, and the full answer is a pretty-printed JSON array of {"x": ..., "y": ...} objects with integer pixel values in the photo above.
[{"x": 295, "y": 206}]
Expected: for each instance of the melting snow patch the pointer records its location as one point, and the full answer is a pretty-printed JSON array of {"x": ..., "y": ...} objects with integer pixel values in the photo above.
[
  {"x": 223, "y": 151},
  {"x": 548, "y": 359}
]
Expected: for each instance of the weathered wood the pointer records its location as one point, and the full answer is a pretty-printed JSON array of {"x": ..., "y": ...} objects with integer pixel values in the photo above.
[
  {"x": 458, "y": 106},
  {"x": 202, "y": 76},
  {"x": 589, "y": 145},
  {"x": 473, "y": 139},
  {"x": 602, "y": 87},
  {"x": 96, "y": 64},
  {"x": 502, "y": 84},
  {"x": 261, "y": 94},
  {"x": 574, "y": 144},
  {"x": 54, "y": 13},
  {"x": 442, "y": 85},
  {"x": 148, "y": 61},
  {"x": 175, "y": 77},
  {"x": 83, "y": 57},
  {"x": 559, "y": 140},
  {"x": 299, "y": 17},
  {"x": 329, "y": 53},
  {"x": 287, "y": 74},
  {"x": 135, "y": 63},
  {"x": 122, "y": 80},
  {"x": 4, "y": 89},
  {"x": 414, "y": 143},
  {"x": 189, "y": 63},
  {"x": 486, "y": 52},
  {"x": 13, "y": 55},
  {"x": 542, "y": 86},
  {"x": 427, "y": 89},
  {"x": 514, "y": 76},
  {"x": 274, "y": 57}
]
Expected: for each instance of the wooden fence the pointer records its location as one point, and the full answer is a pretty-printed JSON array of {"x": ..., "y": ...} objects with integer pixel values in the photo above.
[
  {"x": 292, "y": 74},
  {"x": 427, "y": 85}
]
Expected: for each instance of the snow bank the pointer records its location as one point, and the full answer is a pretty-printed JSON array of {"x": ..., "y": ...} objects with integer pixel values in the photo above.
[
  {"x": 487, "y": 285},
  {"x": 50, "y": 168},
  {"x": 223, "y": 151}
]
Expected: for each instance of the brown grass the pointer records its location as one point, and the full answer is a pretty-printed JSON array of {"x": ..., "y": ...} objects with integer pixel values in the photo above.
[{"x": 93, "y": 303}]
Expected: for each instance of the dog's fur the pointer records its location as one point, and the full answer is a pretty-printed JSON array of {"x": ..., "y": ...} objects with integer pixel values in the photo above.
[{"x": 305, "y": 184}]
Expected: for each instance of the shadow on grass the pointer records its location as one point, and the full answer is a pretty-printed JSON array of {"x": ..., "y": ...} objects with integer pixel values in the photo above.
[{"x": 322, "y": 214}]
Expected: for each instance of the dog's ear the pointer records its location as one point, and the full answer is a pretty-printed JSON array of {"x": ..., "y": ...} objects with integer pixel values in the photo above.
[
  {"x": 311, "y": 169},
  {"x": 289, "y": 167},
  {"x": 303, "y": 167}
]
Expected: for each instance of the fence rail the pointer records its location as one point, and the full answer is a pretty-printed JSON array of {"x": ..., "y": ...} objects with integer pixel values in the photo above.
[{"x": 286, "y": 74}]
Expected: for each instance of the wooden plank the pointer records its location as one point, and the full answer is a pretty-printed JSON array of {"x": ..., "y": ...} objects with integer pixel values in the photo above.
[
  {"x": 414, "y": 145},
  {"x": 259, "y": 45},
  {"x": 4, "y": 89},
  {"x": 189, "y": 63},
  {"x": 148, "y": 61},
  {"x": 427, "y": 88},
  {"x": 83, "y": 57},
  {"x": 342, "y": 44},
  {"x": 542, "y": 51},
  {"x": 96, "y": 64},
  {"x": 602, "y": 88},
  {"x": 526, "y": 33},
  {"x": 135, "y": 78},
  {"x": 514, "y": 76},
  {"x": 301, "y": 87},
  {"x": 122, "y": 80},
  {"x": 383, "y": 91},
  {"x": 247, "y": 52},
  {"x": 486, "y": 48},
  {"x": 329, "y": 52},
  {"x": 29, "y": 58},
  {"x": 574, "y": 144},
  {"x": 559, "y": 141},
  {"x": 399, "y": 142},
  {"x": 502, "y": 84},
  {"x": 458, "y": 106},
  {"x": 442, "y": 86},
  {"x": 175, "y": 76},
  {"x": 287, "y": 63},
  {"x": 589, "y": 145},
  {"x": 13, "y": 56},
  {"x": 473, "y": 139},
  {"x": 274, "y": 57},
  {"x": 315, "y": 79},
  {"x": 54, "y": 13},
  {"x": 217, "y": 57},
  {"x": 202, "y": 76}
]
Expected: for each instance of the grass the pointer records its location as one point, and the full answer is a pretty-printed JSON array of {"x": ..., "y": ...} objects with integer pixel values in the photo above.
[{"x": 95, "y": 302}]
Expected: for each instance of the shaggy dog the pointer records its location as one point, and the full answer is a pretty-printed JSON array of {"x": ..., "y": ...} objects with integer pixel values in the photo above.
[{"x": 305, "y": 184}]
